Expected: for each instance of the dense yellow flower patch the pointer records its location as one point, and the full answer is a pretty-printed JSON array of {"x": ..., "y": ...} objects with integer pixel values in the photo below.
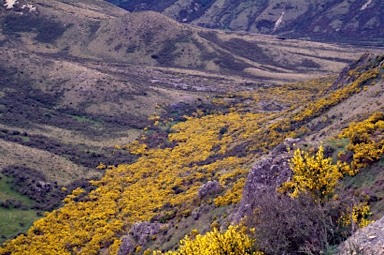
[
  {"x": 234, "y": 241},
  {"x": 314, "y": 174},
  {"x": 317, "y": 176},
  {"x": 366, "y": 140},
  {"x": 135, "y": 192}
]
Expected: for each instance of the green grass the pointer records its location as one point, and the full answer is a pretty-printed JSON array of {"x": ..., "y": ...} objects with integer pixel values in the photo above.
[
  {"x": 14, "y": 221},
  {"x": 370, "y": 180},
  {"x": 85, "y": 119},
  {"x": 338, "y": 146},
  {"x": 7, "y": 193},
  {"x": 365, "y": 178},
  {"x": 24, "y": 138}
]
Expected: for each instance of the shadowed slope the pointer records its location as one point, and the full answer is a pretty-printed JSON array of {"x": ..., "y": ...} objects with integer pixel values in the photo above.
[{"x": 356, "y": 22}]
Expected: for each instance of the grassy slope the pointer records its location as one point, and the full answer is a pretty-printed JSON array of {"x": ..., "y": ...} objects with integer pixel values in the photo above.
[
  {"x": 8, "y": 193},
  {"x": 50, "y": 94},
  {"x": 205, "y": 147},
  {"x": 361, "y": 105},
  {"x": 68, "y": 84},
  {"x": 63, "y": 170},
  {"x": 14, "y": 220}
]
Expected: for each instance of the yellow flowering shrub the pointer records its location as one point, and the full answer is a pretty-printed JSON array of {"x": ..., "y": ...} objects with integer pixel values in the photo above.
[
  {"x": 314, "y": 174},
  {"x": 101, "y": 166},
  {"x": 234, "y": 241},
  {"x": 136, "y": 147},
  {"x": 366, "y": 140},
  {"x": 359, "y": 216},
  {"x": 315, "y": 108},
  {"x": 232, "y": 195}
]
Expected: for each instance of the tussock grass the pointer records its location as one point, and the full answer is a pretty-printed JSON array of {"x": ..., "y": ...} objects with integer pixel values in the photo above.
[
  {"x": 14, "y": 221},
  {"x": 55, "y": 168},
  {"x": 6, "y": 192}
]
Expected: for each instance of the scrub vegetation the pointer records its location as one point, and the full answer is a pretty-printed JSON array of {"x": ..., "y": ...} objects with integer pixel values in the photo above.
[{"x": 112, "y": 119}]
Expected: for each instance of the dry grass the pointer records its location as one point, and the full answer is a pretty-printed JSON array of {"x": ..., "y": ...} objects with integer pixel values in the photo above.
[
  {"x": 354, "y": 108},
  {"x": 54, "y": 167},
  {"x": 96, "y": 9}
]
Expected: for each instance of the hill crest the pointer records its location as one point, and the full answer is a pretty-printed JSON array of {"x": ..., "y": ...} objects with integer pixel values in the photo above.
[{"x": 355, "y": 22}]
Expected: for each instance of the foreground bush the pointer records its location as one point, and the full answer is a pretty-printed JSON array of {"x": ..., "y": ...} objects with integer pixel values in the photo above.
[
  {"x": 299, "y": 225},
  {"x": 315, "y": 175},
  {"x": 234, "y": 241},
  {"x": 308, "y": 215}
]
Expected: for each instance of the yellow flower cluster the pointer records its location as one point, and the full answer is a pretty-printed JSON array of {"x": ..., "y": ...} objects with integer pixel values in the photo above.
[
  {"x": 232, "y": 195},
  {"x": 319, "y": 177},
  {"x": 366, "y": 140},
  {"x": 136, "y": 148},
  {"x": 314, "y": 174},
  {"x": 359, "y": 216},
  {"x": 234, "y": 241},
  {"x": 80, "y": 228}
]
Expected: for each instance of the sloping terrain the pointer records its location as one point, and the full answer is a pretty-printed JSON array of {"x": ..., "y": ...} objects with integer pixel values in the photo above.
[
  {"x": 81, "y": 79},
  {"x": 78, "y": 70},
  {"x": 355, "y": 22},
  {"x": 163, "y": 188},
  {"x": 368, "y": 240}
]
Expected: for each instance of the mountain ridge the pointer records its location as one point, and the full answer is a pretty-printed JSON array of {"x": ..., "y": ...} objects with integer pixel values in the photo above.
[{"x": 354, "y": 22}]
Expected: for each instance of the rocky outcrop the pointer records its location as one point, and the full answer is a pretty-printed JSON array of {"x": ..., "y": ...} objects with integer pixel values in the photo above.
[
  {"x": 211, "y": 187},
  {"x": 127, "y": 246},
  {"x": 139, "y": 234},
  {"x": 265, "y": 176},
  {"x": 368, "y": 240},
  {"x": 43, "y": 186}
]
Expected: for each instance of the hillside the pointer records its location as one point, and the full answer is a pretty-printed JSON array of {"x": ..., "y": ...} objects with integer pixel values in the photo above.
[
  {"x": 161, "y": 193},
  {"x": 81, "y": 76},
  {"x": 152, "y": 110},
  {"x": 355, "y": 22}
]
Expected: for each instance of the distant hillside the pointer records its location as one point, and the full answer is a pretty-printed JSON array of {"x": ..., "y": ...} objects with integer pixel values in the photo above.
[
  {"x": 81, "y": 79},
  {"x": 356, "y": 22}
]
